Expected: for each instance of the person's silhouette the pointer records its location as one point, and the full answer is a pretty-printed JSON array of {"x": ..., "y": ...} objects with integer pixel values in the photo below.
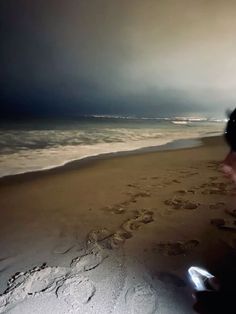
[{"x": 221, "y": 300}]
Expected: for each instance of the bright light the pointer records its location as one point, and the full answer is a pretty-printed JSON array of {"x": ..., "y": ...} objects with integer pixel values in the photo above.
[{"x": 199, "y": 277}]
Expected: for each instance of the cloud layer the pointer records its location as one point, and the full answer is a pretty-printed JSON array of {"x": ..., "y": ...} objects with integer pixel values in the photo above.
[{"x": 105, "y": 56}]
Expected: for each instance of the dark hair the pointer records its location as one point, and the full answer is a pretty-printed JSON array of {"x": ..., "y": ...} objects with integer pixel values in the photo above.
[{"x": 230, "y": 131}]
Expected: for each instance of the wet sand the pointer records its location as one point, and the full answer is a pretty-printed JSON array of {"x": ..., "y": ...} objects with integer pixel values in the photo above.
[{"x": 116, "y": 235}]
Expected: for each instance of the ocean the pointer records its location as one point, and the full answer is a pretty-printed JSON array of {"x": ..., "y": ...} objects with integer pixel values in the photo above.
[{"x": 37, "y": 145}]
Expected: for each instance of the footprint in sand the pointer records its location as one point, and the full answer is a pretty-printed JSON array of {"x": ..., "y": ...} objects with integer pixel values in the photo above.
[
  {"x": 76, "y": 290},
  {"x": 118, "y": 239},
  {"x": 214, "y": 191},
  {"x": 132, "y": 185},
  {"x": 98, "y": 235},
  {"x": 142, "y": 194},
  {"x": 126, "y": 229},
  {"x": 143, "y": 217},
  {"x": 131, "y": 225},
  {"x": 106, "y": 239},
  {"x": 109, "y": 240},
  {"x": 179, "y": 203},
  {"x": 175, "y": 248},
  {"x": 218, "y": 188},
  {"x": 121, "y": 208},
  {"x": 142, "y": 299},
  {"x": 116, "y": 209},
  {"x": 44, "y": 280},
  {"x": 31, "y": 283},
  {"x": 90, "y": 260}
]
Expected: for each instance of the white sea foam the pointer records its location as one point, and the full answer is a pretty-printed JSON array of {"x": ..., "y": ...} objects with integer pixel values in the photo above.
[{"x": 27, "y": 150}]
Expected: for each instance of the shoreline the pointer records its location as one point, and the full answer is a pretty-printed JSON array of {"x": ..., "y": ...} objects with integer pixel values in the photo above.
[{"x": 78, "y": 163}]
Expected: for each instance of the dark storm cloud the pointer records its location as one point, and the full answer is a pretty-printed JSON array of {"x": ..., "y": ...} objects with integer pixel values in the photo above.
[{"x": 130, "y": 57}]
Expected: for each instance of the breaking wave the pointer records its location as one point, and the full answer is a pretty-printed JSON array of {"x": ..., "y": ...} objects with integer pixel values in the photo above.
[{"x": 31, "y": 147}]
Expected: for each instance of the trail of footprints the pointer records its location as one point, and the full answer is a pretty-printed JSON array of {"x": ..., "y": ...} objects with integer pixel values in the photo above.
[
  {"x": 180, "y": 203},
  {"x": 115, "y": 240},
  {"x": 69, "y": 282}
]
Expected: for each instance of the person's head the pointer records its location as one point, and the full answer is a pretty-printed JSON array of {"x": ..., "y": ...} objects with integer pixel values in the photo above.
[{"x": 230, "y": 131}]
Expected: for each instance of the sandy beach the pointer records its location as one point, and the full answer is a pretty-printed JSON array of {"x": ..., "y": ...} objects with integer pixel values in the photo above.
[{"x": 117, "y": 234}]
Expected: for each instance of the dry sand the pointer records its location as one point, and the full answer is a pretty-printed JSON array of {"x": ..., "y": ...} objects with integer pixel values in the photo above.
[{"x": 116, "y": 235}]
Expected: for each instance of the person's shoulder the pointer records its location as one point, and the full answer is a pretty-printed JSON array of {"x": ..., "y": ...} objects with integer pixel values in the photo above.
[{"x": 233, "y": 115}]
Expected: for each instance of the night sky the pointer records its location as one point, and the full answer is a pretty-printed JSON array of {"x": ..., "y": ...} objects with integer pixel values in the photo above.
[{"x": 134, "y": 57}]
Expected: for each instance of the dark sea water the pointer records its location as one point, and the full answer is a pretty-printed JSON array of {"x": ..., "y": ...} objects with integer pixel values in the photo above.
[{"x": 37, "y": 145}]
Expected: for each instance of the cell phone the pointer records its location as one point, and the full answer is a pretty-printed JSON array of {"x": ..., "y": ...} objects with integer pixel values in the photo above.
[{"x": 200, "y": 278}]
